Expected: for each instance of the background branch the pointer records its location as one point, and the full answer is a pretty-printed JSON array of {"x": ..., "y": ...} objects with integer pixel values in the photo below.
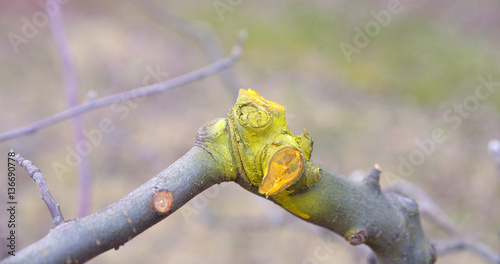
[
  {"x": 196, "y": 30},
  {"x": 142, "y": 91},
  {"x": 71, "y": 87},
  {"x": 454, "y": 246},
  {"x": 435, "y": 215}
]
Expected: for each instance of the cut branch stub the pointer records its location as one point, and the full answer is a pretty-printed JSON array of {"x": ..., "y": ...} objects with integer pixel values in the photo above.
[
  {"x": 284, "y": 169},
  {"x": 267, "y": 154},
  {"x": 162, "y": 201},
  {"x": 358, "y": 238}
]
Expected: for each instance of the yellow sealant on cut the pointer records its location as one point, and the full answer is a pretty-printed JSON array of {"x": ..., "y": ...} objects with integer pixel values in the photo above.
[
  {"x": 258, "y": 99},
  {"x": 284, "y": 169},
  {"x": 266, "y": 152},
  {"x": 284, "y": 199}
]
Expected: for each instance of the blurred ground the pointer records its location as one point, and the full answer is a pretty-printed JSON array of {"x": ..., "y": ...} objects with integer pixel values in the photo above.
[{"x": 399, "y": 86}]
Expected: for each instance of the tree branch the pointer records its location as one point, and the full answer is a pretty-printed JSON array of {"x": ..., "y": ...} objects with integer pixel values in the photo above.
[
  {"x": 139, "y": 92},
  {"x": 37, "y": 176},
  {"x": 254, "y": 147},
  {"x": 76, "y": 241},
  {"x": 388, "y": 222},
  {"x": 195, "y": 30},
  {"x": 474, "y": 246}
]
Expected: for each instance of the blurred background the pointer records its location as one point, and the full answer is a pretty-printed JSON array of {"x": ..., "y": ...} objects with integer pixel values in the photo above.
[{"x": 369, "y": 80}]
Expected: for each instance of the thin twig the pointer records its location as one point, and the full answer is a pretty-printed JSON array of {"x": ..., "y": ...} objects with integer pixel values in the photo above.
[
  {"x": 431, "y": 211},
  {"x": 195, "y": 30},
  {"x": 37, "y": 176},
  {"x": 71, "y": 87},
  {"x": 139, "y": 92},
  {"x": 474, "y": 246},
  {"x": 428, "y": 207}
]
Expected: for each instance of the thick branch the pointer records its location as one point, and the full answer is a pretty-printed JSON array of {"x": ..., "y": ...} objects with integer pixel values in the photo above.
[
  {"x": 275, "y": 164},
  {"x": 76, "y": 241},
  {"x": 387, "y": 222}
]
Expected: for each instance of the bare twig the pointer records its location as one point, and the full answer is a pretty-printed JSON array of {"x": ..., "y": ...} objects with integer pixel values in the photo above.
[
  {"x": 472, "y": 245},
  {"x": 428, "y": 207},
  {"x": 195, "y": 30},
  {"x": 37, "y": 176},
  {"x": 71, "y": 86},
  {"x": 142, "y": 91},
  {"x": 431, "y": 211}
]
